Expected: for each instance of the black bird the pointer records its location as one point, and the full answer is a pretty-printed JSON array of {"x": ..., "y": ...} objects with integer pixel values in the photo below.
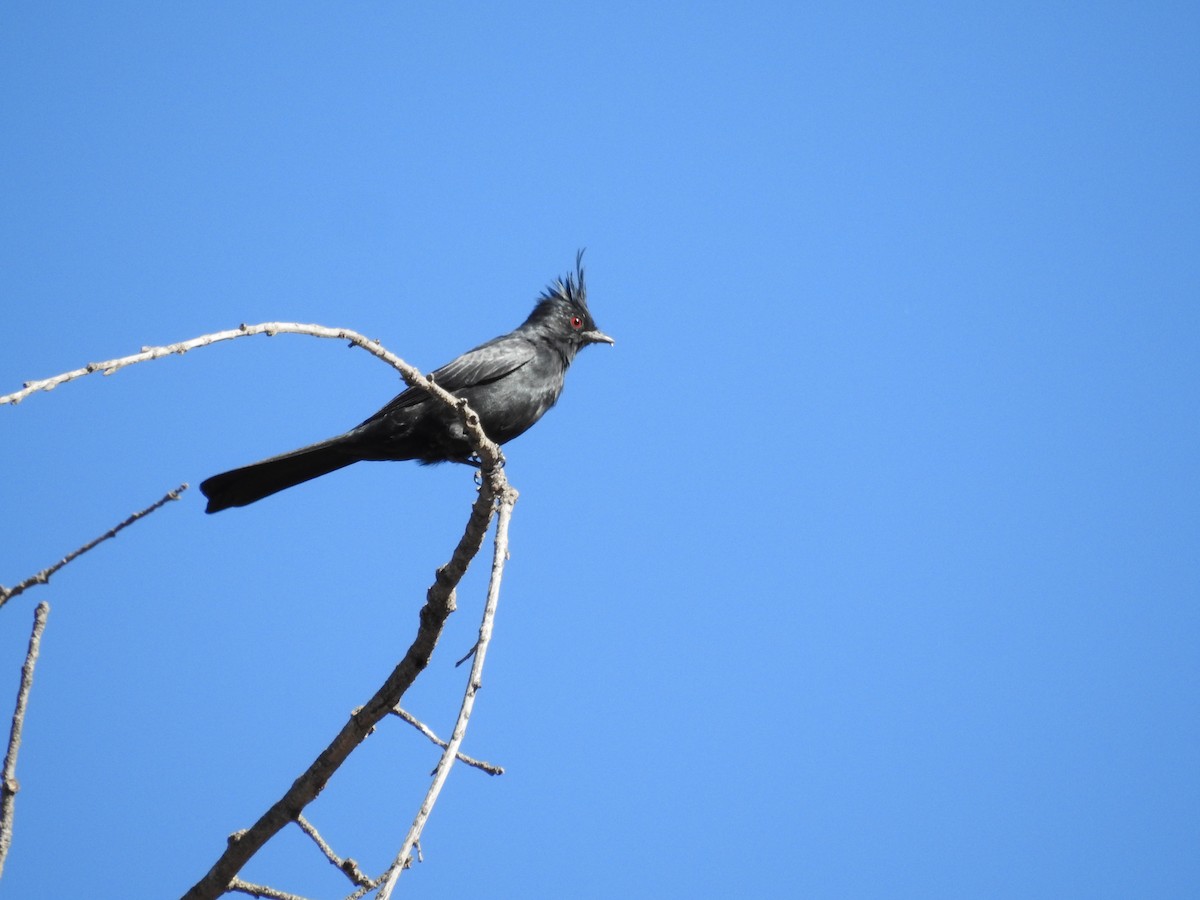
[{"x": 510, "y": 382}]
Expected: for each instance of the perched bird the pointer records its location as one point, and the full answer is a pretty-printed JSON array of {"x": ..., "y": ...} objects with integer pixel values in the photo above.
[{"x": 510, "y": 382}]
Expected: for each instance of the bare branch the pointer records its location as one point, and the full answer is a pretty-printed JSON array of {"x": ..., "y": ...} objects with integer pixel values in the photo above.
[
  {"x": 439, "y": 604},
  {"x": 425, "y": 730},
  {"x": 261, "y": 890},
  {"x": 347, "y": 866},
  {"x": 43, "y": 576},
  {"x": 9, "y": 786},
  {"x": 440, "y": 601},
  {"x": 507, "y": 498},
  {"x": 111, "y": 366},
  {"x": 489, "y": 452}
]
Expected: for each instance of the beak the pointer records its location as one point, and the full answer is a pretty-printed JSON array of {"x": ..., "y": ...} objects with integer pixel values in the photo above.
[{"x": 597, "y": 337}]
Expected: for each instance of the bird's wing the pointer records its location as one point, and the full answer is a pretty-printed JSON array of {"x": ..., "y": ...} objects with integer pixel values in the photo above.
[{"x": 486, "y": 363}]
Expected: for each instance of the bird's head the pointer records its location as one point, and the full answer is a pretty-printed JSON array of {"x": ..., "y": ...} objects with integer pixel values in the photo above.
[{"x": 562, "y": 312}]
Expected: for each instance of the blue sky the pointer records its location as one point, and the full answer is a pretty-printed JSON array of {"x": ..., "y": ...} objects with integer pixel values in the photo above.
[{"x": 866, "y": 564}]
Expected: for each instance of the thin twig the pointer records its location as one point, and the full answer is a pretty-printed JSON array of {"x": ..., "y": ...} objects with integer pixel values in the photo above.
[
  {"x": 43, "y": 576},
  {"x": 488, "y": 451},
  {"x": 347, "y": 866},
  {"x": 9, "y": 785},
  {"x": 261, "y": 890},
  {"x": 111, "y": 366},
  {"x": 507, "y": 498},
  {"x": 428, "y": 732}
]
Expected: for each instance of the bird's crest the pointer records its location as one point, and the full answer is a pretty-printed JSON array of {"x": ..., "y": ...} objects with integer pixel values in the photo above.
[{"x": 573, "y": 289}]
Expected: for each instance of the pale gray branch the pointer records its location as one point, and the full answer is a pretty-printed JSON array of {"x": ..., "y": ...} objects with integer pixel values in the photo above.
[
  {"x": 488, "y": 451},
  {"x": 507, "y": 497},
  {"x": 261, "y": 890},
  {"x": 428, "y": 732},
  {"x": 347, "y": 866},
  {"x": 439, "y": 604},
  {"x": 9, "y": 785},
  {"x": 43, "y": 576}
]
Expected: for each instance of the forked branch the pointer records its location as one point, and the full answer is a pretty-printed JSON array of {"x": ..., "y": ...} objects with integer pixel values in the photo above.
[{"x": 440, "y": 602}]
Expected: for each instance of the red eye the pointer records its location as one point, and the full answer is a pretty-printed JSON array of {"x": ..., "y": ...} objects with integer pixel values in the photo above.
[{"x": 576, "y": 322}]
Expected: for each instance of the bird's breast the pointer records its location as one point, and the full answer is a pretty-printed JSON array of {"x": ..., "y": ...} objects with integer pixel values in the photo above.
[{"x": 510, "y": 406}]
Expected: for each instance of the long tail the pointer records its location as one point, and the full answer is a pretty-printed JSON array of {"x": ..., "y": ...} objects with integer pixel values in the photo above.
[{"x": 241, "y": 487}]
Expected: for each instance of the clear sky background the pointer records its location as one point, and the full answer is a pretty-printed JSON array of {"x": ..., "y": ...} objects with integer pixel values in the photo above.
[{"x": 866, "y": 564}]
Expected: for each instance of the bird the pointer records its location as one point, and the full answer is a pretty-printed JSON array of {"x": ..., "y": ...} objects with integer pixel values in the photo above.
[{"x": 509, "y": 381}]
